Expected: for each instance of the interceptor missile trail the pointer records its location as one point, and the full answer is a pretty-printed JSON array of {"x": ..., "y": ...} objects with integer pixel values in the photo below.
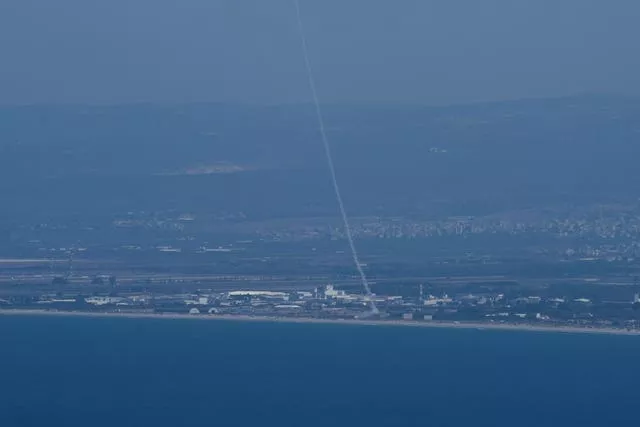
[{"x": 327, "y": 150}]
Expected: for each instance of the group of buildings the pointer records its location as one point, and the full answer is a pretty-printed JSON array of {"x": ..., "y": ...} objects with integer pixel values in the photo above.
[{"x": 330, "y": 302}]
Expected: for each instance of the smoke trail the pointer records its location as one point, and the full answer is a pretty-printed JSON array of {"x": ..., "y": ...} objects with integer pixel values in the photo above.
[{"x": 327, "y": 150}]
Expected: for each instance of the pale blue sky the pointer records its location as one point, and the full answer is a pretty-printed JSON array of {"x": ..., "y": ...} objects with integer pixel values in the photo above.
[{"x": 363, "y": 51}]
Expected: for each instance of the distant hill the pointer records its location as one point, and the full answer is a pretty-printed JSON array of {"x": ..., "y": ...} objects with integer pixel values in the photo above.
[{"x": 394, "y": 158}]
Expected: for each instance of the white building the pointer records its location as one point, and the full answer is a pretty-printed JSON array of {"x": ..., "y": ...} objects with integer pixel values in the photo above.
[
  {"x": 431, "y": 300},
  {"x": 331, "y": 292},
  {"x": 103, "y": 300}
]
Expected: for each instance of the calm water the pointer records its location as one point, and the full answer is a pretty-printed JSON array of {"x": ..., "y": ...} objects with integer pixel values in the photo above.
[{"x": 152, "y": 372}]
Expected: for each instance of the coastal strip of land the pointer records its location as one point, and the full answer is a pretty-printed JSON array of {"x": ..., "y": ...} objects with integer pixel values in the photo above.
[{"x": 365, "y": 322}]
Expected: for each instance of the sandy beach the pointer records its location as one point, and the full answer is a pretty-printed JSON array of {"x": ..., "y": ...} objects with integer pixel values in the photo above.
[{"x": 364, "y": 322}]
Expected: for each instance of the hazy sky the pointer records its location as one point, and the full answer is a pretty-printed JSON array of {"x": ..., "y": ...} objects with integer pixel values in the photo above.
[{"x": 419, "y": 51}]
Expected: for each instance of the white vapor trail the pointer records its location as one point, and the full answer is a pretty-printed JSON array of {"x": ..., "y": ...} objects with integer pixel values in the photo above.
[{"x": 327, "y": 150}]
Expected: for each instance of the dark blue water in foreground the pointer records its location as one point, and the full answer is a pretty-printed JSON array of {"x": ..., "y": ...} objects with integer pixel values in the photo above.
[{"x": 152, "y": 372}]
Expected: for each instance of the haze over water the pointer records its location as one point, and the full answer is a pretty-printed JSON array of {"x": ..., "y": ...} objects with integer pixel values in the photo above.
[{"x": 153, "y": 372}]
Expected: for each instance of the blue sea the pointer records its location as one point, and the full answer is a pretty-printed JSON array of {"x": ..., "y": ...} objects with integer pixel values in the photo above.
[{"x": 152, "y": 372}]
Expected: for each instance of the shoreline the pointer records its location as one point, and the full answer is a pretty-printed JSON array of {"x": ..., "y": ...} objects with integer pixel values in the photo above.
[{"x": 267, "y": 319}]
